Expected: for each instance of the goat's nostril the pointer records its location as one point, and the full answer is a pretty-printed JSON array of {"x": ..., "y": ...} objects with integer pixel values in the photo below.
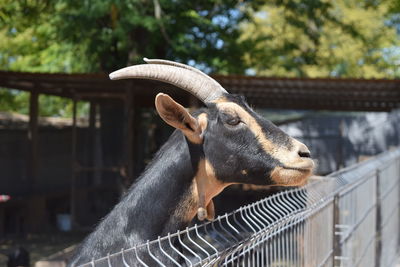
[
  {"x": 302, "y": 150},
  {"x": 305, "y": 154}
]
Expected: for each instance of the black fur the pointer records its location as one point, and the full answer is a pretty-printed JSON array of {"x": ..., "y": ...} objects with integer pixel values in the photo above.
[{"x": 145, "y": 212}]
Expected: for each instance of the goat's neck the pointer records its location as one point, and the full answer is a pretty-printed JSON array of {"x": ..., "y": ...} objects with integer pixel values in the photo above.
[{"x": 164, "y": 199}]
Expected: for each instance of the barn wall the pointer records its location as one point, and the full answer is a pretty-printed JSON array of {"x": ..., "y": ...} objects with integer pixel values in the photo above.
[
  {"x": 338, "y": 140},
  {"x": 13, "y": 159},
  {"x": 33, "y": 208},
  {"x": 334, "y": 139},
  {"x": 54, "y": 161}
]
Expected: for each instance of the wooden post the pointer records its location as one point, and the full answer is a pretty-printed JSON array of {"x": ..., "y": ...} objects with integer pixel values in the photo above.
[
  {"x": 33, "y": 139},
  {"x": 2, "y": 220},
  {"x": 73, "y": 167},
  {"x": 94, "y": 160},
  {"x": 92, "y": 142},
  {"x": 92, "y": 133},
  {"x": 129, "y": 133}
]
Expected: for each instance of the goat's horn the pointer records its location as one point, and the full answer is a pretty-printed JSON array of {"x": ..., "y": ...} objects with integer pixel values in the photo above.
[
  {"x": 188, "y": 78},
  {"x": 180, "y": 65}
]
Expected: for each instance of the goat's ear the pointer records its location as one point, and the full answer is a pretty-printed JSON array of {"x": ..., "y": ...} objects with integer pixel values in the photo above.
[{"x": 178, "y": 117}]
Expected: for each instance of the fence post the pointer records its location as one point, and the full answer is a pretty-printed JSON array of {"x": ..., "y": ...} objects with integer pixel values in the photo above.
[
  {"x": 378, "y": 242},
  {"x": 398, "y": 178},
  {"x": 336, "y": 236},
  {"x": 397, "y": 162}
]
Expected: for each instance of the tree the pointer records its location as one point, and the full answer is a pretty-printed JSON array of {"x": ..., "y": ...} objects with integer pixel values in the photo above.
[
  {"x": 323, "y": 38},
  {"x": 285, "y": 37},
  {"x": 90, "y": 36},
  {"x": 102, "y": 36},
  {"x": 306, "y": 38}
]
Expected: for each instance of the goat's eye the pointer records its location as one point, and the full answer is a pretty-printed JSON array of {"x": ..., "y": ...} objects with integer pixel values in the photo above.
[{"x": 233, "y": 121}]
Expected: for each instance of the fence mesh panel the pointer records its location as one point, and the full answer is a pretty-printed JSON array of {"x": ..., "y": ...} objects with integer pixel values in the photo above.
[{"x": 350, "y": 218}]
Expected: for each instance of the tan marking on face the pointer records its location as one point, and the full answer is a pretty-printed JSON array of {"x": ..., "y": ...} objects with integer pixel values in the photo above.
[
  {"x": 277, "y": 151},
  {"x": 244, "y": 172},
  {"x": 289, "y": 158}
]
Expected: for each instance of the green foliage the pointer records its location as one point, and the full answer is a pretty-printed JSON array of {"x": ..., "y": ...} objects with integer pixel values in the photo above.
[
  {"x": 91, "y": 36},
  {"x": 343, "y": 38},
  {"x": 285, "y": 37},
  {"x": 13, "y": 100},
  {"x": 49, "y": 106},
  {"x": 306, "y": 38},
  {"x": 28, "y": 39}
]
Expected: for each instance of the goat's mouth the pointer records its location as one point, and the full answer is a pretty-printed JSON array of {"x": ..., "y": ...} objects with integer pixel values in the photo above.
[
  {"x": 293, "y": 174},
  {"x": 298, "y": 169},
  {"x": 303, "y": 165}
]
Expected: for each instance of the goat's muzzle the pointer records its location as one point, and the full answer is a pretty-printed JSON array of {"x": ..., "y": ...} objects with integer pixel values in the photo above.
[{"x": 296, "y": 168}]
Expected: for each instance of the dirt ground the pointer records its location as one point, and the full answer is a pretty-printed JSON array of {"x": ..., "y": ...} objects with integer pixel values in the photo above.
[{"x": 39, "y": 246}]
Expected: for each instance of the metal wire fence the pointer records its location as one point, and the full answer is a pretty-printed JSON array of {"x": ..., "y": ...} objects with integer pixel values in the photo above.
[{"x": 350, "y": 218}]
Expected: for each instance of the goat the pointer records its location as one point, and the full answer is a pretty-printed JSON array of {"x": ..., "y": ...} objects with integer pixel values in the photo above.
[{"x": 225, "y": 143}]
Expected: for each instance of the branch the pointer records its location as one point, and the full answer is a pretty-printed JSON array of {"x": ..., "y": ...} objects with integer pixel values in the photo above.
[{"x": 157, "y": 15}]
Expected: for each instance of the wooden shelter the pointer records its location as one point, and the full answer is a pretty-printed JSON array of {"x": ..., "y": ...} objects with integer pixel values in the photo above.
[
  {"x": 125, "y": 98},
  {"x": 262, "y": 92}
]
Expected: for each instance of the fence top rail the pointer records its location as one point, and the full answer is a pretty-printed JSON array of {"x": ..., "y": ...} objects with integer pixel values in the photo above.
[
  {"x": 365, "y": 167},
  {"x": 267, "y": 217}
]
